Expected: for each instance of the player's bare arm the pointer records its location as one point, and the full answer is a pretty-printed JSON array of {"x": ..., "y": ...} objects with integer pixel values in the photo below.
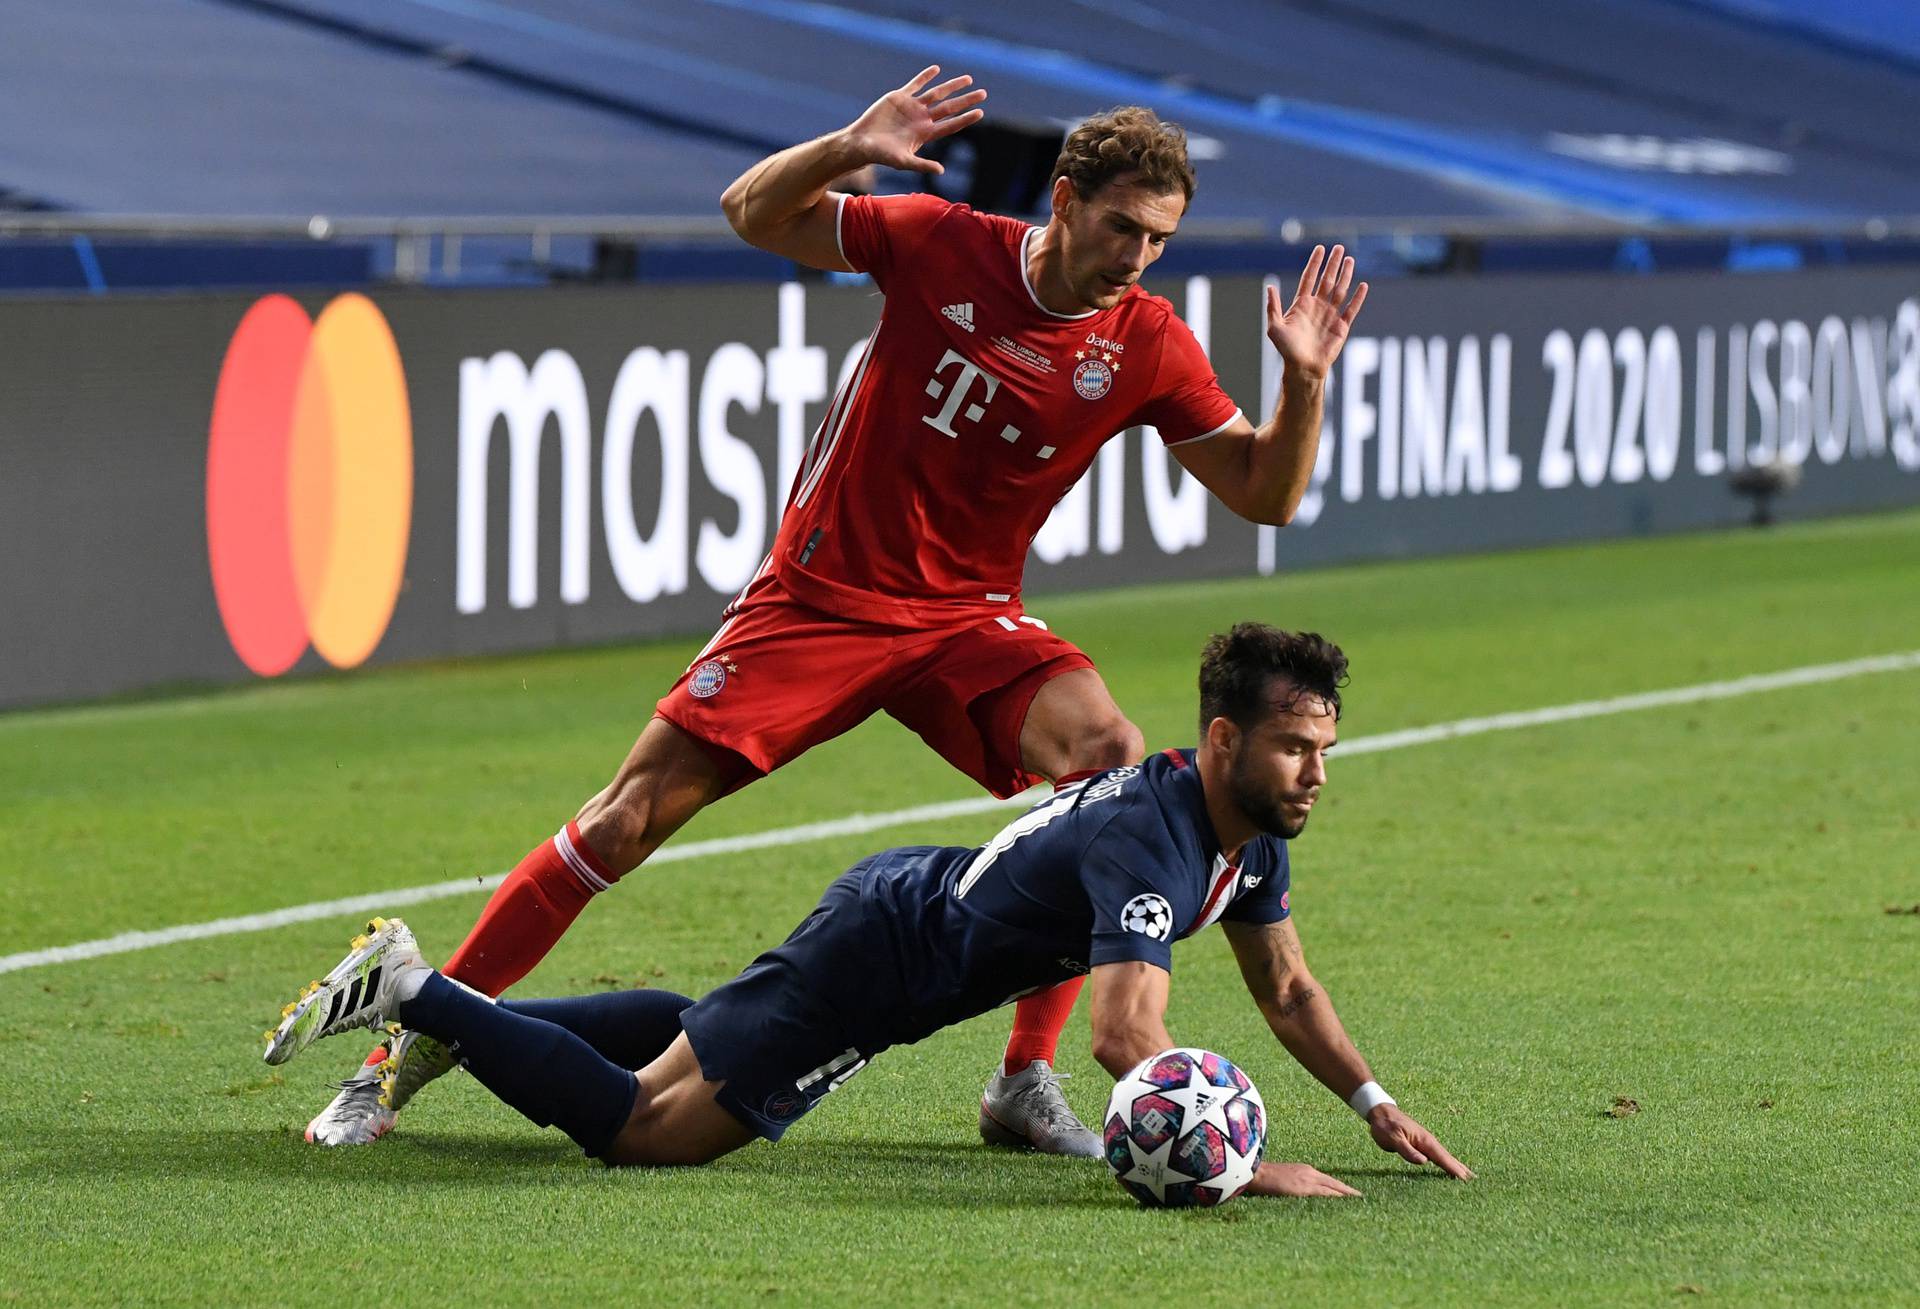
[
  {"x": 782, "y": 205},
  {"x": 1296, "y": 1007},
  {"x": 1129, "y": 1014},
  {"x": 1262, "y": 473}
]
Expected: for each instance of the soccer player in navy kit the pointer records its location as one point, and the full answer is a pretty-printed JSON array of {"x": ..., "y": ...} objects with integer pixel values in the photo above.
[{"x": 1100, "y": 878}]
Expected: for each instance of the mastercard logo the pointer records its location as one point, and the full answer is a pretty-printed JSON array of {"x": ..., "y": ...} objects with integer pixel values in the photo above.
[{"x": 309, "y": 483}]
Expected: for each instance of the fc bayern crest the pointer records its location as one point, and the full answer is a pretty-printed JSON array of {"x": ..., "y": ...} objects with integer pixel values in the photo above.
[
  {"x": 1093, "y": 379},
  {"x": 707, "y": 679}
]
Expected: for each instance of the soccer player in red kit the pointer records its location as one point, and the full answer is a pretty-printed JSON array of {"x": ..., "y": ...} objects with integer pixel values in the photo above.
[{"x": 1005, "y": 357}]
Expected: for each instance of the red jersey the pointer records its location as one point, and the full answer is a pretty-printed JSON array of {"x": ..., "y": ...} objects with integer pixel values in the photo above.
[{"x": 973, "y": 410}]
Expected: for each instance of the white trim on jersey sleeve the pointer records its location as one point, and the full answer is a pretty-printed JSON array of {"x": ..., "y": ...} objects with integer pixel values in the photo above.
[
  {"x": 1024, "y": 281},
  {"x": 1208, "y": 436},
  {"x": 839, "y": 217}
]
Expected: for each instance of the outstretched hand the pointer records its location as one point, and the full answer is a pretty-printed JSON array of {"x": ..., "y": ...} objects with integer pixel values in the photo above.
[
  {"x": 1397, "y": 1133},
  {"x": 1296, "y": 1179},
  {"x": 899, "y": 123},
  {"x": 1309, "y": 335}
]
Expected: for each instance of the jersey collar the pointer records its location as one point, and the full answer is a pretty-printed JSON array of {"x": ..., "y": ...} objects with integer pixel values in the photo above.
[
  {"x": 1186, "y": 772},
  {"x": 1222, "y": 879}
]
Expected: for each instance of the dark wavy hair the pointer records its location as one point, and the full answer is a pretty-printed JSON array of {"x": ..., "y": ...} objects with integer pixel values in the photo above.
[
  {"x": 1126, "y": 140},
  {"x": 1237, "y": 666}
]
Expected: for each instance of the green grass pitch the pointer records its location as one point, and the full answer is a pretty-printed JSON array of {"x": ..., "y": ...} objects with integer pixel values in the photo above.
[{"x": 1689, "y": 908}]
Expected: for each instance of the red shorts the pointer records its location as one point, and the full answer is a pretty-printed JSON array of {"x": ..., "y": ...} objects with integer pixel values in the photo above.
[{"x": 780, "y": 677}]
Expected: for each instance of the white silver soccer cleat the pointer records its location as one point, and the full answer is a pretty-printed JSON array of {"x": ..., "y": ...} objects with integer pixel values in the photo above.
[
  {"x": 361, "y": 991},
  {"x": 1027, "y": 1111},
  {"x": 356, "y": 1116},
  {"x": 370, "y": 1101}
]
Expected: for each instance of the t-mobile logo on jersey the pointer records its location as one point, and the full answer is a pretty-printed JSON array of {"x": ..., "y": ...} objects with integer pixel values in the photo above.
[{"x": 956, "y": 396}]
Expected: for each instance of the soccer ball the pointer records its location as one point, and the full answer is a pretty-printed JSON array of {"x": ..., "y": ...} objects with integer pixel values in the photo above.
[{"x": 1183, "y": 1128}]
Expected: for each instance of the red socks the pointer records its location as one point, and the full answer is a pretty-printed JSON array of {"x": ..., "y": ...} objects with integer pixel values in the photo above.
[
  {"x": 1037, "y": 1023},
  {"x": 529, "y": 912}
]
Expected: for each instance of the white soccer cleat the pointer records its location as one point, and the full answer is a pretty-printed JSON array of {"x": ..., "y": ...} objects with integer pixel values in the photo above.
[
  {"x": 361, "y": 991},
  {"x": 416, "y": 1059},
  {"x": 1027, "y": 1111},
  {"x": 356, "y": 1116},
  {"x": 370, "y": 1101}
]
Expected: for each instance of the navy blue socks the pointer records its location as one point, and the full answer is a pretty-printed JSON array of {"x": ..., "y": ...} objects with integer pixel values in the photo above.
[
  {"x": 551, "y": 1059},
  {"x": 630, "y": 1028}
]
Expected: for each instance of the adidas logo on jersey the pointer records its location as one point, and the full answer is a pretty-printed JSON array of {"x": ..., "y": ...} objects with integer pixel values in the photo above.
[{"x": 961, "y": 314}]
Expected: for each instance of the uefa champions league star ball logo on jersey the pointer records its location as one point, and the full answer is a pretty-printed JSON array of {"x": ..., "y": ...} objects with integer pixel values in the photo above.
[
  {"x": 1149, "y": 915},
  {"x": 1093, "y": 379}
]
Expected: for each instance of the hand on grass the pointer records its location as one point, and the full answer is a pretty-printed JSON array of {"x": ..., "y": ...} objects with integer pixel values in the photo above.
[
  {"x": 1397, "y": 1133},
  {"x": 1296, "y": 1179}
]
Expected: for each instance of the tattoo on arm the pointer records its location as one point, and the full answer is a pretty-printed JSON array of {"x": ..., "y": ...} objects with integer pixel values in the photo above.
[
  {"x": 1282, "y": 934},
  {"x": 1295, "y": 1005}
]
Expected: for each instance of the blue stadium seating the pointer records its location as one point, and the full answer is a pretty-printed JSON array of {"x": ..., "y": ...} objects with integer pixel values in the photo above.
[
  {"x": 1311, "y": 108},
  {"x": 1706, "y": 113}
]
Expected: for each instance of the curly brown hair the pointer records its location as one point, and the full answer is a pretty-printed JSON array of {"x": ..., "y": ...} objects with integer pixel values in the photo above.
[
  {"x": 1131, "y": 139},
  {"x": 1236, "y": 667}
]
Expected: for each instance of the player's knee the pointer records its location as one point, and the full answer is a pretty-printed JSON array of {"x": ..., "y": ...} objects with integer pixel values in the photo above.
[{"x": 1107, "y": 742}]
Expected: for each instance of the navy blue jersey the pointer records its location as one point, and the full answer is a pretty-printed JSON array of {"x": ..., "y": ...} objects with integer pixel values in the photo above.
[
  {"x": 915, "y": 939},
  {"x": 1108, "y": 870}
]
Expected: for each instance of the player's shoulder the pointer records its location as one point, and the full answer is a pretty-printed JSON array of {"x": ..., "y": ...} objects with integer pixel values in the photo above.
[
  {"x": 1142, "y": 308},
  {"x": 925, "y": 208},
  {"x": 1145, "y": 317},
  {"x": 983, "y": 234},
  {"x": 1265, "y": 855},
  {"x": 1153, "y": 803}
]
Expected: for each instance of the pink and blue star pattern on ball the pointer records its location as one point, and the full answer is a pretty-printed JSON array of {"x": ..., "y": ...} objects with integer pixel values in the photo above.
[{"x": 1185, "y": 1127}]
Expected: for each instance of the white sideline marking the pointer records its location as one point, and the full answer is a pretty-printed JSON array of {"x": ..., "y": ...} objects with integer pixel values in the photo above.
[
  {"x": 1620, "y": 704},
  {"x": 855, "y": 824},
  {"x": 381, "y": 901}
]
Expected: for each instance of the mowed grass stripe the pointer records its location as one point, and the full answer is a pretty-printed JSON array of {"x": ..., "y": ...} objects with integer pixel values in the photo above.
[{"x": 857, "y": 824}]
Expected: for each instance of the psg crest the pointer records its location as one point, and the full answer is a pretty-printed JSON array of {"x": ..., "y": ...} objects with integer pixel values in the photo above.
[{"x": 1093, "y": 379}]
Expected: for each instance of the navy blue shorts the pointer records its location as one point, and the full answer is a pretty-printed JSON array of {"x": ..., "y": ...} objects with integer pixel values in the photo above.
[{"x": 777, "y": 1035}]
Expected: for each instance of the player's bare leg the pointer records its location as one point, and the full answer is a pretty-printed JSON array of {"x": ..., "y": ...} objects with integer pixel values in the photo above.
[
  {"x": 675, "y": 1118},
  {"x": 665, "y": 780},
  {"x": 1072, "y": 727}
]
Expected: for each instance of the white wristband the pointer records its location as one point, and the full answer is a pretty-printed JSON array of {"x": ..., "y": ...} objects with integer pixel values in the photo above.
[{"x": 1368, "y": 1098}]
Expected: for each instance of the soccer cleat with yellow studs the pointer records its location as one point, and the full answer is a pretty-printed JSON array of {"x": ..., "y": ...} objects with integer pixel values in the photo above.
[
  {"x": 361, "y": 991},
  {"x": 414, "y": 1060}
]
